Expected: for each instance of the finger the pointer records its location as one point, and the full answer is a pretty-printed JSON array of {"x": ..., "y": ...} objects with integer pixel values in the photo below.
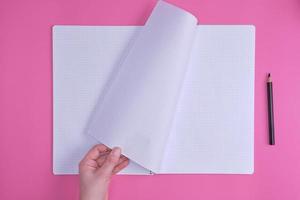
[
  {"x": 102, "y": 158},
  {"x": 110, "y": 162},
  {"x": 96, "y": 151},
  {"x": 121, "y": 166},
  {"x": 122, "y": 159},
  {"x": 90, "y": 158},
  {"x": 91, "y": 164}
]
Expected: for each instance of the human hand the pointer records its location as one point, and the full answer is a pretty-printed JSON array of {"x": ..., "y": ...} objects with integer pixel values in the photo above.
[{"x": 96, "y": 170}]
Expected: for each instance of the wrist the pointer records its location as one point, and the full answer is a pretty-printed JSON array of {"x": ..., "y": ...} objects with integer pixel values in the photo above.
[{"x": 94, "y": 191}]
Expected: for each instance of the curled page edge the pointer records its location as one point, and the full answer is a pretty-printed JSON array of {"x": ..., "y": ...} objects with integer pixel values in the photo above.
[{"x": 126, "y": 116}]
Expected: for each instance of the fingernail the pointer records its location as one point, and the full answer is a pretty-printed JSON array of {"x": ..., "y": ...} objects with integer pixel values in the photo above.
[{"x": 116, "y": 152}]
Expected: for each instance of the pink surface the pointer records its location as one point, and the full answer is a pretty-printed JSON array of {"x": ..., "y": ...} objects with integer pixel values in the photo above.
[{"x": 26, "y": 99}]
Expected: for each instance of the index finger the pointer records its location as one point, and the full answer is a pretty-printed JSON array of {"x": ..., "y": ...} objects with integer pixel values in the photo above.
[{"x": 95, "y": 152}]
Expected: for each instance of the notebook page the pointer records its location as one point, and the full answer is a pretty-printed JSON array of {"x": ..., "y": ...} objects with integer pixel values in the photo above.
[
  {"x": 136, "y": 111},
  {"x": 83, "y": 60},
  {"x": 213, "y": 131}
]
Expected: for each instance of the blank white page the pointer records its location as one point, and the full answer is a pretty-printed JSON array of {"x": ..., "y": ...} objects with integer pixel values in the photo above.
[
  {"x": 136, "y": 110},
  {"x": 213, "y": 131},
  {"x": 83, "y": 60}
]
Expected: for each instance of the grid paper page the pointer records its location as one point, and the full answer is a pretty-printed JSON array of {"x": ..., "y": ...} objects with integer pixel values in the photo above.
[
  {"x": 214, "y": 127},
  {"x": 83, "y": 60}
]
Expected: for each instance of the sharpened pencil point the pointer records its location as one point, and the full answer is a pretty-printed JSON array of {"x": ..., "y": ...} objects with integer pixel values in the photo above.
[{"x": 269, "y": 79}]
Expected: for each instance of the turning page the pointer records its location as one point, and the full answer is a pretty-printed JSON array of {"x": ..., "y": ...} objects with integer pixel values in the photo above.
[{"x": 137, "y": 109}]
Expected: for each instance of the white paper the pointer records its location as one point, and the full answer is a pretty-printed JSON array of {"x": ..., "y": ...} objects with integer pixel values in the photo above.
[
  {"x": 83, "y": 60},
  {"x": 137, "y": 109},
  {"x": 214, "y": 125}
]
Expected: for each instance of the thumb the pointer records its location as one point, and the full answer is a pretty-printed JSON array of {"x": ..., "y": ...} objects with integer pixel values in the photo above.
[{"x": 110, "y": 162}]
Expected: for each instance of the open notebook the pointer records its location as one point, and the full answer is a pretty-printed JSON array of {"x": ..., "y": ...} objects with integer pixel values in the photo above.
[{"x": 177, "y": 97}]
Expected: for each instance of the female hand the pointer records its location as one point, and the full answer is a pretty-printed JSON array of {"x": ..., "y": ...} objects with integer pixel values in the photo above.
[{"x": 96, "y": 170}]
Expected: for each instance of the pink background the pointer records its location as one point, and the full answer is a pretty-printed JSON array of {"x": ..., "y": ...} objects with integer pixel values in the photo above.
[{"x": 26, "y": 99}]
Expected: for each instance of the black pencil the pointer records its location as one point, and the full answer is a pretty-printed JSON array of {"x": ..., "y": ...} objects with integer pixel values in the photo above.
[{"x": 270, "y": 111}]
